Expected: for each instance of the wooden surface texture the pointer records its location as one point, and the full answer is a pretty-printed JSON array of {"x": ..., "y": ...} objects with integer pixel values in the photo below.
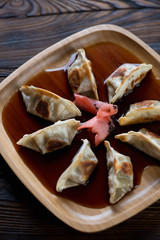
[{"x": 28, "y": 27}]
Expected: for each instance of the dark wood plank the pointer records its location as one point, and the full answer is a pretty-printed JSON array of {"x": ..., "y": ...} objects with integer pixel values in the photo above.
[
  {"x": 36, "y": 8},
  {"x": 23, "y": 39}
]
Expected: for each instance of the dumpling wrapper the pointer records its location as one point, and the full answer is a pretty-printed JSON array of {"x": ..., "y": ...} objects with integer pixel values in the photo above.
[
  {"x": 141, "y": 112},
  {"x": 55, "y": 136},
  {"x": 80, "y": 76},
  {"x": 124, "y": 79},
  {"x": 79, "y": 171},
  {"x": 48, "y": 105},
  {"x": 144, "y": 140},
  {"x": 120, "y": 173}
]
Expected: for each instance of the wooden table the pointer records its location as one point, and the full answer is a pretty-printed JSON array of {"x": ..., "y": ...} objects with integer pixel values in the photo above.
[{"x": 26, "y": 28}]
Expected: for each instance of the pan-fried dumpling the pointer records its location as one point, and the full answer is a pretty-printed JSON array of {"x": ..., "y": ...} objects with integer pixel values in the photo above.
[
  {"x": 120, "y": 174},
  {"x": 80, "y": 169},
  {"x": 144, "y": 140},
  {"x": 80, "y": 76},
  {"x": 48, "y": 105},
  {"x": 124, "y": 79},
  {"x": 53, "y": 137},
  {"x": 141, "y": 112}
]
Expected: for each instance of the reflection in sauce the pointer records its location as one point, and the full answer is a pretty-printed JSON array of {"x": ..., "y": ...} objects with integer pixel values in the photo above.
[
  {"x": 65, "y": 67},
  {"x": 105, "y": 58}
]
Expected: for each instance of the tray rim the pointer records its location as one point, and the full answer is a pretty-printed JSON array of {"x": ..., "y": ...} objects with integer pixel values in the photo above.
[{"x": 20, "y": 175}]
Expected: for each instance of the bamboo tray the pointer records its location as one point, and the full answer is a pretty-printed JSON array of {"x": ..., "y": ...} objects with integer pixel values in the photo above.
[{"x": 79, "y": 217}]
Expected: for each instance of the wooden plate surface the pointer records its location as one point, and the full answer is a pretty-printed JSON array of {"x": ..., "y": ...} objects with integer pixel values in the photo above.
[{"x": 79, "y": 217}]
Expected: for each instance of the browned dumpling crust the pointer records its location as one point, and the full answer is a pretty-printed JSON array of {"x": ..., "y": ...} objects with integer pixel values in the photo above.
[
  {"x": 120, "y": 173},
  {"x": 48, "y": 105},
  {"x": 80, "y": 169},
  {"x": 124, "y": 79},
  {"x": 80, "y": 76},
  {"x": 49, "y": 139},
  {"x": 144, "y": 140},
  {"x": 141, "y": 112}
]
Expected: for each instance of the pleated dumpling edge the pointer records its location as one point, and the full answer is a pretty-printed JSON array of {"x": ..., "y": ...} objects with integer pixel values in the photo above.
[{"x": 80, "y": 169}]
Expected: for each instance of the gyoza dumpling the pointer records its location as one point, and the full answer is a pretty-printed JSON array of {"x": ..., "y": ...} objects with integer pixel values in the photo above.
[
  {"x": 124, "y": 79},
  {"x": 48, "y": 105},
  {"x": 141, "y": 112},
  {"x": 120, "y": 173},
  {"x": 80, "y": 169},
  {"x": 54, "y": 137},
  {"x": 80, "y": 76},
  {"x": 144, "y": 140}
]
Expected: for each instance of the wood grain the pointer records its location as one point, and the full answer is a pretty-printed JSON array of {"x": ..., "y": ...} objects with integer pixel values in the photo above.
[
  {"x": 22, "y": 39},
  {"x": 21, "y": 8},
  {"x": 23, "y": 217}
]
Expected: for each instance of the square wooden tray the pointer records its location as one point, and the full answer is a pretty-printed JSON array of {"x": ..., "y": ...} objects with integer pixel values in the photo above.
[{"x": 79, "y": 217}]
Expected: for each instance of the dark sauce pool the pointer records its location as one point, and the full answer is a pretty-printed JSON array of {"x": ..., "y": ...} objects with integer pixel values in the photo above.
[{"x": 105, "y": 58}]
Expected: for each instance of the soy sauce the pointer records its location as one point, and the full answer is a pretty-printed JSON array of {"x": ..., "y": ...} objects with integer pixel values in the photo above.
[{"x": 105, "y": 58}]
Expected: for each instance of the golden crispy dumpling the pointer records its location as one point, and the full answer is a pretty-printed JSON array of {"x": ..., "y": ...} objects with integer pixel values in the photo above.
[
  {"x": 80, "y": 76},
  {"x": 141, "y": 112},
  {"x": 143, "y": 140},
  {"x": 48, "y": 139},
  {"x": 48, "y": 105},
  {"x": 120, "y": 173},
  {"x": 80, "y": 169},
  {"x": 124, "y": 79}
]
